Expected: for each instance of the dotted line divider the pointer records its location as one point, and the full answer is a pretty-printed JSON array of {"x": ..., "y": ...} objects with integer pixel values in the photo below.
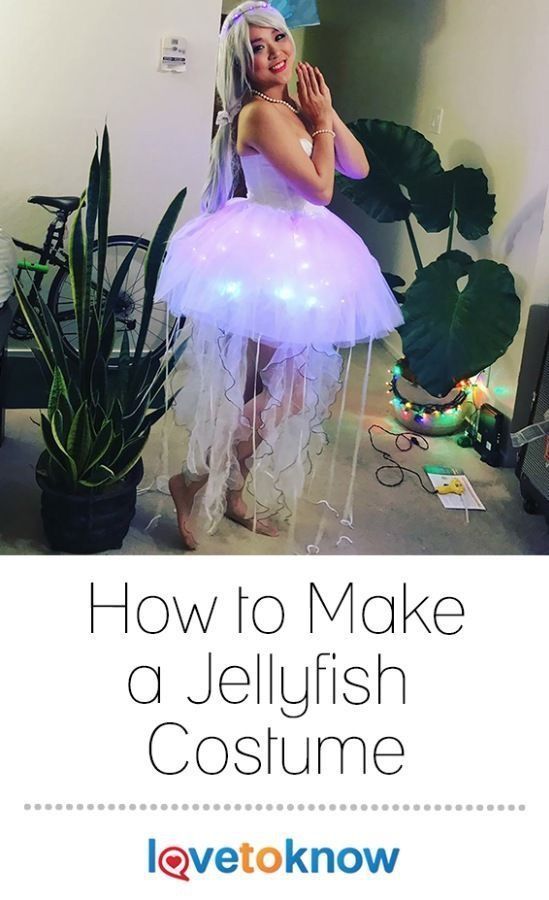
[{"x": 275, "y": 807}]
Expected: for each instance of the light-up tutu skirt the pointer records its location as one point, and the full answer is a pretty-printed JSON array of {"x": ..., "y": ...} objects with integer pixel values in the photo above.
[
  {"x": 299, "y": 276},
  {"x": 275, "y": 284}
]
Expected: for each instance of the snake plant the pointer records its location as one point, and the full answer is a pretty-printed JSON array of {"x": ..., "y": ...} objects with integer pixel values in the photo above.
[{"x": 103, "y": 401}]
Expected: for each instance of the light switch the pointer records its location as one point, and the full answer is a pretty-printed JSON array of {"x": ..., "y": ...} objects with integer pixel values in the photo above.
[{"x": 436, "y": 120}]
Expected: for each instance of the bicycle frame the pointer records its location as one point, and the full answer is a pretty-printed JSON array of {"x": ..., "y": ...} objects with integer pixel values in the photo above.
[
  {"x": 52, "y": 255},
  {"x": 51, "y": 252}
]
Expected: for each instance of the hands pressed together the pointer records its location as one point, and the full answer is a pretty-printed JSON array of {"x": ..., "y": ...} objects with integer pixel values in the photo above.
[{"x": 314, "y": 95}]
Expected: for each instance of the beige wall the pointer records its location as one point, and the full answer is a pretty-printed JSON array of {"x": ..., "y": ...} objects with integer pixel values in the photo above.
[
  {"x": 65, "y": 67},
  {"x": 486, "y": 64}
]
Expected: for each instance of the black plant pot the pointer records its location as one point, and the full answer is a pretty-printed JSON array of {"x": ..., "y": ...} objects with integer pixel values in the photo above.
[{"x": 92, "y": 522}]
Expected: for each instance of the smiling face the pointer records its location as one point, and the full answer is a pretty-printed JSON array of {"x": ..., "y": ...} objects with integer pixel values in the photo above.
[{"x": 273, "y": 57}]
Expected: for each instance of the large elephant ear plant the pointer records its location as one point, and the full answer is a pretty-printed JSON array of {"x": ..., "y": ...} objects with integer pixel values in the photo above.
[{"x": 460, "y": 314}]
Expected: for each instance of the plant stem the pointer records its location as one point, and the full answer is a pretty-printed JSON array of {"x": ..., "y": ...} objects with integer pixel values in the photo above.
[
  {"x": 413, "y": 242},
  {"x": 451, "y": 229}
]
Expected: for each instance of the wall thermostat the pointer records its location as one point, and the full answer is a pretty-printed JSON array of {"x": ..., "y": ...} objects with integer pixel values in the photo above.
[{"x": 173, "y": 54}]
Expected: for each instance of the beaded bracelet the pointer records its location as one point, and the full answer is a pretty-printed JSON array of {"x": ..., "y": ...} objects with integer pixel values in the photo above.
[{"x": 324, "y": 131}]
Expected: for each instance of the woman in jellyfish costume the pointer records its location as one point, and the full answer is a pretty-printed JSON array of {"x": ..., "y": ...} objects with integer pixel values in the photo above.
[{"x": 272, "y": 286}]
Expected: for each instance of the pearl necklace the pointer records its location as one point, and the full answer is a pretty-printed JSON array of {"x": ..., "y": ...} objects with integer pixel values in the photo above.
[{"x": 273, "y": 100}]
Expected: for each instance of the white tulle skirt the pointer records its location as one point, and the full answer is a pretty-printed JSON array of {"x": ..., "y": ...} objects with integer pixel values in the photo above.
[
  {"x": 271, "y": 295},
  {"x": 295, "y": 276},
  {"x": 283, "y": 423}
]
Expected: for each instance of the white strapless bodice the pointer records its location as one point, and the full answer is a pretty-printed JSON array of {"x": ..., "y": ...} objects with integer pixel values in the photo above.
[
  {"x": 275, "y": 265},
  {"x": 267, "y": 186}
]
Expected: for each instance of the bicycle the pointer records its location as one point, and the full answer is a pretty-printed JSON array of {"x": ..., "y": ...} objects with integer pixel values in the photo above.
[{"x": 59, "y": 300}]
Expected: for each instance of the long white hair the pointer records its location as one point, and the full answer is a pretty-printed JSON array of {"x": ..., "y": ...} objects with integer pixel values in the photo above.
[{"x": 234, "y": 60}]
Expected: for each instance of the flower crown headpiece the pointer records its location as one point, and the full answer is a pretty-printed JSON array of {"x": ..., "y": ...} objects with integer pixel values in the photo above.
[{"x": 233, "y": 17}]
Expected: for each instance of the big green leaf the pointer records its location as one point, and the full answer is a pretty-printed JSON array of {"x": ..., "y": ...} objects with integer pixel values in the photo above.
[
  {"x": 123, "y": 374},
  {"x": 55, "y": 447},
  {"x": 99, "y": 382},
  {"x": 108, "y": 330},
  {"x": 58, "y": 389},
  {"x": 142, "y": 375},
  {"x": 77, "y": 270},
  {"x": 100, "y": 447},
  {"x": 399, "y": 157},
  {"x": 67, "y": 413},
  {"x": 99, "y": 417},
  {"x": 49, "y": 469},
  {"x": 56, "y": 341},
  {"x": 453, "y": 332},
  {"x": 42, "y": 364},
  {"x": 35, "y": 324},
  {"x": 119, "y": 278},
  {"x": 394, "y": 282},
  {"x": 103, "y": 217},
  {"x": 79, "y": 441},
  {"x": 117, "y": 416},
  {"x": 152, "y": 417},
  {"x": 134, "y": 421},
  {"x": 130, "y": 455},
  {"x": 114, "y": 450},
  {"x": 90, "y": 351},
  {"x": 100, "y": 476},
  {"x": 461, "y": 189},
  {"x": 92, "y": 202}
]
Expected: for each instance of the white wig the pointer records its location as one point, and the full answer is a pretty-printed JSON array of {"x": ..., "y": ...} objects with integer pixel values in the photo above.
[{"x": 234, "y": 60}]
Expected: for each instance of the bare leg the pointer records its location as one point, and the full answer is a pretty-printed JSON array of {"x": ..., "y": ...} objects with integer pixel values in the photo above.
[
  {"x": 255, "y": 401},
  {"x": 236, "y": 507},
  {"x": 183, "y": 494}
]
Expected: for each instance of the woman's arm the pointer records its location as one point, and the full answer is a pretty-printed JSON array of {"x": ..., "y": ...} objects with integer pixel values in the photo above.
[
  {"x": 351, "y": 159},
  {"x": 264, "y": 127}
]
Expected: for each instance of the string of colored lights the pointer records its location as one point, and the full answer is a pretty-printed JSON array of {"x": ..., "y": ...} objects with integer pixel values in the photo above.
[{"x": 445, "y": 413}]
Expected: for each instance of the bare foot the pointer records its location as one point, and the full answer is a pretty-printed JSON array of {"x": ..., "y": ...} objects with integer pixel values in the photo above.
[
  {"x": 183, "y": 497},
  {"x": 236, "y": 511}
]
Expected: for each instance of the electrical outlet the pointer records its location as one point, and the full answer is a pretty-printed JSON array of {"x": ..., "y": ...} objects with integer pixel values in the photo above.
[{"x": 436, "y": 120}]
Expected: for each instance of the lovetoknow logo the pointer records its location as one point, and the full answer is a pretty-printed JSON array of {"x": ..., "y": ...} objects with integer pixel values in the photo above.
[{"x": 289, "y": 858}]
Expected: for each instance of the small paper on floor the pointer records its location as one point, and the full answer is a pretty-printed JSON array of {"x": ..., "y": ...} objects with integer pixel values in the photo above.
[{"x": 468, "y": 500}]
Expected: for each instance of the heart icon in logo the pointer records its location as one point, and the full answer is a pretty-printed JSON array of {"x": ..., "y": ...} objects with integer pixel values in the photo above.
[{"x": 174, "y": 861}]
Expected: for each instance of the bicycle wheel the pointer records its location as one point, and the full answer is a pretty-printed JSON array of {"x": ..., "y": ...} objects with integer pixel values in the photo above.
[{"x": 129, "y": 306}]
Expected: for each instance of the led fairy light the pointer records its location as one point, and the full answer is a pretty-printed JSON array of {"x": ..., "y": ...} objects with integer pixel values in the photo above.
[
  {"x": 439, "y": 415},
  {"x": 239, "y": 12}
]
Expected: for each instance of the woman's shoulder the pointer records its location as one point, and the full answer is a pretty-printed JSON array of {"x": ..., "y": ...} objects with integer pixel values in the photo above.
[
  {"x": 255, "y": 114},
  {"x": 253, "y": 119}
]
